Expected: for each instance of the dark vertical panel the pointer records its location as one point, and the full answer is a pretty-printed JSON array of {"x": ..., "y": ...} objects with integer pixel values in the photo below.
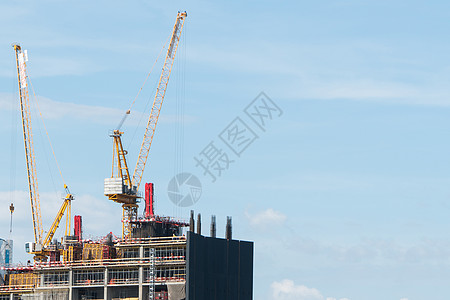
[
  {"x": 190, "y": 262},
  {"x": 201, "y": 267},
  {"x": 211, "y": 290},
  {"x": 246, "y": 270},
  {"x": 233, "y": 268},
  {"x": 218, "y": 269}
]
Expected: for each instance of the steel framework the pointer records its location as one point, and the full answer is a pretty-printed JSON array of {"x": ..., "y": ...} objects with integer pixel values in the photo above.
[{"x": 21, "y": 59}]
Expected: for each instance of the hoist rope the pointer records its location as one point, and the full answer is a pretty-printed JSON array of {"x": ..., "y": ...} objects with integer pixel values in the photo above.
[
  {"x": 144, "y": 113},
  {"x": 46, "y": 132},
  {"x": 180, "y": 116},
  {"x": 14, "y": 127},
  {"x": 148, "y": 75}
]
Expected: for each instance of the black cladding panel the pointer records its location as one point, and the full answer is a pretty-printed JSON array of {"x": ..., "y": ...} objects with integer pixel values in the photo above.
[{"x": 218, "y": 269}]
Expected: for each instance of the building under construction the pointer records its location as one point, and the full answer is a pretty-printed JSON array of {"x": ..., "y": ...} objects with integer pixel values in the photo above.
[
  {"x": 155, "y": 258},
  {"x": 170, "y": 267}
]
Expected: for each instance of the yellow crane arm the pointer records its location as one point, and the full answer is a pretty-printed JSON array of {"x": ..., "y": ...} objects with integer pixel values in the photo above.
[
  {"x": 119, "y": 156},
  {"x": 58, "y": 218},
  {"x": 28, "y": 141},
  {"x": 157, "y": 102}
]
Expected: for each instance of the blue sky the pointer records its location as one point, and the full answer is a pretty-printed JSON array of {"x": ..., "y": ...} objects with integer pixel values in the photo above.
[{"x": 346, "y": 194}]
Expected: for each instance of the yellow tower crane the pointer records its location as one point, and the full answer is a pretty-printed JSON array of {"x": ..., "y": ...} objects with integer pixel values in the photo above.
[
  {"x": 120, "y": 187},
  {"x": 38, "y": 248}
]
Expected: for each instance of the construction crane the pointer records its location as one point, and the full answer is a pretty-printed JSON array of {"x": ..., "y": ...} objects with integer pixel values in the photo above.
[
  {"x": 120, "y": 187},
  {"x": 38, "y": 248}
]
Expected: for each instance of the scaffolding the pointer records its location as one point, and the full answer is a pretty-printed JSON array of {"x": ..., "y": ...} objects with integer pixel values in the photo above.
[
  {"x": 24, "y": 280},
  {"x": 72, "y": 253},
  {"x": 95, "y": 252},
  {"x": 151, "y": 275}
]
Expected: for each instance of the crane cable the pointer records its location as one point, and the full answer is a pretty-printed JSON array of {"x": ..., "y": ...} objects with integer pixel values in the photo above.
[
  {"x": 180, "y": 99},
  {"x": 149, "y": 99},
  {"x": 46, "y": 132},
  {"x": 12, "y": 178},
  {"x": 143, "y": 84},
  {"x": 69, "y": 208}
]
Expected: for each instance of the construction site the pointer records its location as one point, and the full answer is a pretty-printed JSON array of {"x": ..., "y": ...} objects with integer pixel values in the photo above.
[{"x": 156, "y": 257}]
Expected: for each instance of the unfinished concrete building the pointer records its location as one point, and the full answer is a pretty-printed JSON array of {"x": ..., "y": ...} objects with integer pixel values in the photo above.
[{"x": 189, "y": 266}]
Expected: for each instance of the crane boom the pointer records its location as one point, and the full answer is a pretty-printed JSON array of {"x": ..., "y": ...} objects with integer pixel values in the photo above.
[
  {"x": 28, "y": 141},
  {"x": 157, "y": 102},
  {"x": 57, "y": 220}
]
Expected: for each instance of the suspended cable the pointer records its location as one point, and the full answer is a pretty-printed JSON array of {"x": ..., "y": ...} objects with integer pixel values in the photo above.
[
  {"x": 148, "y": 75},
  {"x": 144, "y": 113},
  {"x": 12, "y": 179},
  {"x": 44, "y": 149},
  {"x": 179, "y": 117},
  {"x": 48, "y": 137},
  {"x": 14, "y": 127},
  {"x": 143, "y": 84}
]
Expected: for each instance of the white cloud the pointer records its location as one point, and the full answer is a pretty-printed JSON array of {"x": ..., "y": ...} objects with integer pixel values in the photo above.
[
  {"x": 404, "y": 299},
  {"x": 362, "y": 90},
  {"x": 266, "y": 217},
  {"x": 375, "y": 250},
  {"x": 288, "y": 290},
  {"x": 373, "y": 90},
  {"x": 346, "y": 73},
  {"x": 58, "y": 110}
]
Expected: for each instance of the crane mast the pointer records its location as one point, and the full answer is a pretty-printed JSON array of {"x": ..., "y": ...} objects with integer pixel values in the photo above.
[
  {"x": 21, "y": 59},
  {"x": 122, "y": 188}
]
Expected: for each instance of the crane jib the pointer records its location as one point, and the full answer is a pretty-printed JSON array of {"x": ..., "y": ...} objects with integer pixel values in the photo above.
[
  {"x": 158, "y": 100},
  {"x": 175, "y": 38}
]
